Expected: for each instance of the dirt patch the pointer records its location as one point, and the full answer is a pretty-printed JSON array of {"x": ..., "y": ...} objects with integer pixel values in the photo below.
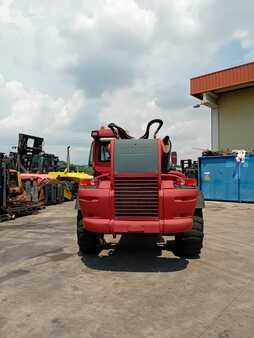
[{"x": 14, "y": 274}]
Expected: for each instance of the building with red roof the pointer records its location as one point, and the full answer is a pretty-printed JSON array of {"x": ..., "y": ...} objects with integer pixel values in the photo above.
[{"x": 230, "y": 95}]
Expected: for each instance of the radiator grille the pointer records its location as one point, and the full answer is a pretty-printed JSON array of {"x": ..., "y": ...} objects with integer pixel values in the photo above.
[{"x": 136, "y": 197}]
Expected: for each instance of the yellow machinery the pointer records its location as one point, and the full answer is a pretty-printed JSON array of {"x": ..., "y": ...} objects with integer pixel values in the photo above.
[
  {"x": 72, "y": 180},
  {"x": 71, "y": 176}
]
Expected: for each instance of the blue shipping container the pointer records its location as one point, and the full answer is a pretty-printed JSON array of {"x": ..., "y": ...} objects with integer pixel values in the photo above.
[
  {"x": 247, "y": 179},
  {"x": 219, "y": 178},
  {"x": 222, "y": 178}
]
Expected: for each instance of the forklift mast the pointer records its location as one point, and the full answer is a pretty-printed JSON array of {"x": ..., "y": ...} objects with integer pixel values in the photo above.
[{"x": 31, "y": 157}]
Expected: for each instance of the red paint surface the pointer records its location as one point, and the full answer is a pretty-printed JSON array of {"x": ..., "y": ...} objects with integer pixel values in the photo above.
[{"x": 176, "y": 204}]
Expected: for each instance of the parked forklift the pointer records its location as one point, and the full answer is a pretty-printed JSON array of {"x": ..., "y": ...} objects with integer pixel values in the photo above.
[
  {"x": 130, "y": 194},
  {"x": 30, "y": 156},
  {"x": 14, "y": 201},
  {"x": 3, "y": 187}
]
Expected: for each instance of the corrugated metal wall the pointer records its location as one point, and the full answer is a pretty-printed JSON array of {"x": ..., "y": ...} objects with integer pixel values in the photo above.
[{"x": 223, "y": 79}]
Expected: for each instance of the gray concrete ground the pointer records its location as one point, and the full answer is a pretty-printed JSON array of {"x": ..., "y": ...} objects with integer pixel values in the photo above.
[{"x": 130, "y": 290}]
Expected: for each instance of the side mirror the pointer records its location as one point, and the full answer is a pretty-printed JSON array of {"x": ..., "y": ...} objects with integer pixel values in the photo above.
[{"x": 174, "y": 157}]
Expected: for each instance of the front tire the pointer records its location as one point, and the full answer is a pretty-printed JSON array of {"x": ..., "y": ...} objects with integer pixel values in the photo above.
[
  {"x": 87, "y": 240},
  {"x": 189, "y": 244}
]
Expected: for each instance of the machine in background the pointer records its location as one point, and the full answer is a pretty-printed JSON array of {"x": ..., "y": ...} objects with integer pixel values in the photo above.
[
  {"x": 14, "y": 200},
  {"x": 190, "y": 168}
]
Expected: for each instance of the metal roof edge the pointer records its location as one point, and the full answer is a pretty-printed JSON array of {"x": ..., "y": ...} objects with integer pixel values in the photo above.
[{"x": 223, "y": 70}]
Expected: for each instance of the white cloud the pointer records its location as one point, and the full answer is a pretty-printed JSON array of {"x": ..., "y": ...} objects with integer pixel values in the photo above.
[
  {"x": 189, "y": 131},
  {"x": 68, "y": 66},
  {"x": 30, "y": 111}
]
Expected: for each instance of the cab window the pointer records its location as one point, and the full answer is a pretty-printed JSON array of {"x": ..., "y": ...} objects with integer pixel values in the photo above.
[{"x": 104, "y": 155}]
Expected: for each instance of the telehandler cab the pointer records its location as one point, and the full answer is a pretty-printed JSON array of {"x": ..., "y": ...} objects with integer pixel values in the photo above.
[{"x": 130, "y": 194}]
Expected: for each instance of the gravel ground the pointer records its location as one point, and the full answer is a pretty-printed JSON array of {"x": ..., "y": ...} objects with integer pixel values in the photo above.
[{"x": 134, "y": 288}]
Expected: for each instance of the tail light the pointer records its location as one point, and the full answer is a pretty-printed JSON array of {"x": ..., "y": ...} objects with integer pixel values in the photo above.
[
  {"x": 85, "y": 183},
  {"x": 191, "y": 182},
  {"x": 183, "y": 181}
]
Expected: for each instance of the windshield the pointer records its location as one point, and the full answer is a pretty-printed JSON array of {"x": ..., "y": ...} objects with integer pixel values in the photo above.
[{"x": 90, "y": 160}]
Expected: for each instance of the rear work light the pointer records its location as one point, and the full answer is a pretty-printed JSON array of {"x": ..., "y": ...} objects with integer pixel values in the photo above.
[{"x": 95, "y": 133}]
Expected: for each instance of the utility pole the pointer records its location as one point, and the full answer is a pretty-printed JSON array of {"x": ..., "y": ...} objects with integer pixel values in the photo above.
[{"x": 68, "y": 159}]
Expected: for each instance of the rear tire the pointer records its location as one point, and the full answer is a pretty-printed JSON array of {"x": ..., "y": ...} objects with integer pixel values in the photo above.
[
  {"x": 87, "y": 240},
  {"x": 189, "y": 244}
]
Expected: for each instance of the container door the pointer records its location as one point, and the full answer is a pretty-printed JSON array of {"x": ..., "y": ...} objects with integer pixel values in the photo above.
[
  {"x": 219, "y": 178},
  {"x": 247, "y": 179}
]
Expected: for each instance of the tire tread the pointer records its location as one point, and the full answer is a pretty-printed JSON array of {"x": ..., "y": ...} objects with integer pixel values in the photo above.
[{"x": 190, "y": 243}]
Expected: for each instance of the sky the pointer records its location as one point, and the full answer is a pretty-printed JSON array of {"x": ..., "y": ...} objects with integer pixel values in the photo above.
[{"x": 67, "y": 67}]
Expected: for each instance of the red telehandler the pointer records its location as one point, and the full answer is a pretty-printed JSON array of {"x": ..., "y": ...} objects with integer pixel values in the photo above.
[{"x": 130, "y": 194}]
